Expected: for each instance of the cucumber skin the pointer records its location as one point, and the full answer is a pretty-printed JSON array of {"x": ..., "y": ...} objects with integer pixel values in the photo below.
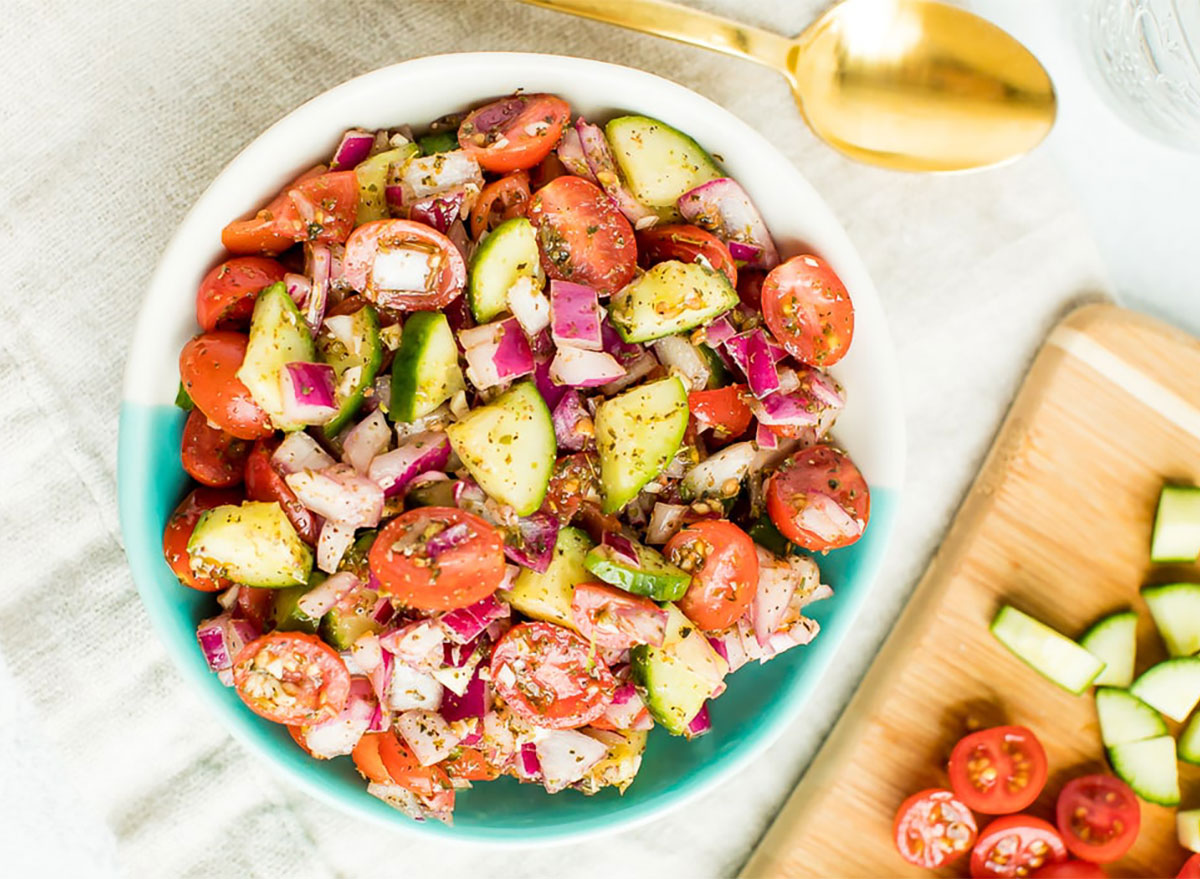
[
  {"x": 1149, "y": 679},
  {"x": 1113, "y": 674},
  {"x": 370, "y": 369},
  {"x": 406, "y": 366},
  {"x": 1155, "y": 725},
  {"x": 645, "y": 663},
  {"x": 1189, "y": 742},
  {"x": 660, "y": 586},
  {"x": 1126, "y": 774},
  {"x": 487, "y": 304},
  {"x": 1006, "y": 609},
  {"x": 1175, "y": 608}
]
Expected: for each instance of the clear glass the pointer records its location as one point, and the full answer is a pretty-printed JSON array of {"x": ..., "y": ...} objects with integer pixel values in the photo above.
[{"x": 1147, "y": 56}]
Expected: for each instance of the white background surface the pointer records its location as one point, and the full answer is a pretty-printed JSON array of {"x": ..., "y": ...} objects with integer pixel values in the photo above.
[{"x": 113, "y": 119}]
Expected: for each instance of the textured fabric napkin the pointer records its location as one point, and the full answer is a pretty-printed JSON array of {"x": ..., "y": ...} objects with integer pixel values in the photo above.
[{"x": 114, "y": 117}]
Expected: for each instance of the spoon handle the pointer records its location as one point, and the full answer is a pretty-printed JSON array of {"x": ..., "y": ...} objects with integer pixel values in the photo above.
[{"x": 682, "y": 23}]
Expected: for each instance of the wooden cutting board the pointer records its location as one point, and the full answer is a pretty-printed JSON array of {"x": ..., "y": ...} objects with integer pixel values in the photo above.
[{"x": 1057, "y": 523}]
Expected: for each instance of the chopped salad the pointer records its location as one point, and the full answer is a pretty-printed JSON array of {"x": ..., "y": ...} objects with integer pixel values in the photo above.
[{"x": 512, "y": 443}]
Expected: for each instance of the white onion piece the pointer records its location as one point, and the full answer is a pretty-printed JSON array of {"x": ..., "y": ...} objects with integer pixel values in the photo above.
[
  {"x": 335, "y": 538},
  {"x": 404, "y": 269},
  {"x": 299, "y": 451},
  {"x": 578, "y": 368},
  {"x": 776, "y": 584},
  {"x": 529, "y": 306},
  {"x": 427, "y": 734},
  {"x": 720, "y": 474},
  {"x": 826, "y": 518},
  {"x": 418, "y": 644},
  {"x": 681, "y": 357},
  {"x": 317, "y": 601},
  {"x": 566, "y": 756},
  {"x": 337, "y": 737},
  {"x": 428, "y": 175},
  {"x": 339, "y": 493},
  {"x": 409, "y": 688},
  {"x": 366, "y": 440},
  {"x": 636, "y": 369}
]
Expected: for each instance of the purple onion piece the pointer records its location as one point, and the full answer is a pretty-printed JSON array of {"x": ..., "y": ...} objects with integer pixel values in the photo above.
[
  {"x": 355, "y": 146},
  {"x": 532, "y": 545},
  {"x": 450, "y": 538},
  {"x": 623, "y": 548},
  {"x": 572, "y": 423},
  {"x": 472, "y": 703}
]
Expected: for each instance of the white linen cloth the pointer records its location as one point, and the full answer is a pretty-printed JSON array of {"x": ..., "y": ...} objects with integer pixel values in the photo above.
[{"x": 114, "y": 116}]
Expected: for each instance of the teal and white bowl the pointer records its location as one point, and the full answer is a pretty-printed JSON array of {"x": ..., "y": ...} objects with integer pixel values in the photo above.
[{"x": 761, "y": 700}]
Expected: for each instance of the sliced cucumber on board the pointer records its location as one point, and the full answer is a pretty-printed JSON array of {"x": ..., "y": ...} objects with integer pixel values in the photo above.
[
  {"x": 253, "y": 544},
  {"x": 638, "y": 432},
  {"x": 278, "y": 336},
  {"x": 547, "y": 596},
  {"x": 670, "y": 298},
  {"x": 653, "y": 576},
  {"x": 676, "y": 679},
  {"x": 1176, "y": 536},
  {"x": 658, "y": 162},
  {"x": 350, "y": 343},
  {"x": 509, "y": 252},
  {"x": 1048, "y": 652},
  {"x": 1172, "y": 687},
  {"x": 1187, "y": 829},
  {"x": 1189, "y": 741},
  {"x": 1113, "y": 640},
  {"x": 425, "y": 372},
  {"x": 1149, "y": 768},
  {"x": 1176, "y": 611},
  {"x": 1126, "y": 718}
]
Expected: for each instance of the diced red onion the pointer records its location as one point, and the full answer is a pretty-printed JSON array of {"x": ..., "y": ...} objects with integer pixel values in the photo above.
[
  {"x": 528, "y": 765},
  {"x": 532, "y": 546},
  {"x": 573, "y": 427},
  {"x": 700, "y": 724},
  {"x": 409, "y": 688},
  {"x": 565, "y": 756},
  {"x": 719, "y": 645},
  {"x": 800, "y": 408},
  {"x": 718, "y": 332},
  {"x": 318, "y": 601},
  {"x": 551, "y": 393},
  {"x": 635, "y": 372},
  {"x": 604, "y": 169},
  {"x": 337, "y": 737},
  {"x": 776, "y": 584},
  {"x": 393, "y": 471},
  {"x": 622, "y": 547},
  {"x": 744, "y": 252},
  {"x": 579, "y": 368},
  {"x": 624, "y": 352},
  {"x": 417, "y": 644},
  {"x": 308, "y": 392},
  {"x": 570, "y": 153},
  {"x": 384, "y": 611},
  {"x": 825, "y": 517},
  {"x": 340, "y": 493},
  {"x": 465, "y": 624},
  {"x": 298, "y": 287},
  {"x": 474, "y": 737},
  {"x": 394, "y": 196},
  {"x": 680, "y": 356},
  {"x": 355, "y": 146},
  {"x": 722, "y": 207},
  {"x": 711, "y": 477},
  {"x": 765, "y": 438},
  {"x": 318, "y": 266},
  {"x": 427, "y": 734},
  {"x": 403, "y": 800},
  {"x": 529, "y": 306},
  {"x": 439, "y": 211},
  {"x": 575, "y": 315},
  {"x": 228, "y": 598},
  {"x": 381, "y": 720},
  {"x": 366, "y": 652},
  {"x": 665, "y": 522},
  {"x": 472, "y": 703},
  {"x": 753, "y": 353},
  {"x": 366, "y": 440},
  {"x": 299, "y": 451},
  {"x": 222, "y": 639},
  {"x": 794, "y": 635},
  {"x": 496, "y": 353},
  {"x": 448, "y": 539},
  {"x": 380, "y": 675}
]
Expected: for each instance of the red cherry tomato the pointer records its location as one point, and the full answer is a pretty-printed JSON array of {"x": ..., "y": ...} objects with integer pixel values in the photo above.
[
  {"x": 999, "y": 770},
  {"x": 548, "y": 676},
  {"x": 256, "y": 605},
  {"x": 749, "y": 287},
  {"x": 548, "y": 169},
  {"x": 515, "y": 132},
  {"x": 808, "y": 310},
  {"x": 291, "y": 678},
  {"x": 265, "y": 483},
  {"x": 818, "y": 499},
  {"x": 686, "y": 244},
  {"x": 430, "y": 783},
  {"x": 469, "y": 765},
  {"x": 1190, "y": 868},
  {"x": 315, "y": 207},
  {"x": 208, "y": 367},
  {"x": 179, "y": 531},
  {"x": 723, "y": 409},
  {"x": 500, "y": 200},
  {"x": 1071, "y": 870},
  {"x": 1016, "y": 845},
  {"x": 210, "y": 455},
  {"x": 932, "y": 829},
  {"x": 576, "y": 479},
  {"x": 226, "y": 297},
  {"x": 438, "y": 558},
  {"x": 443, "y": 281},
  {"x": 613, "y": 618},
  {"x": 582, "y": 236},
  {"x": 367, "y": 759},
  {"x": 1098, "y": 817},
  {"x": 723, "y": 563}
]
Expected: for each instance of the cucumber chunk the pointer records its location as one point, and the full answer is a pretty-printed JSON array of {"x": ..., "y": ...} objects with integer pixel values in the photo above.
[
  {"x": 286, "y": 614},
  {"x": 438, "y": 142},
  {"x": 1176, "y": 536},
  {"x": 508, "y": 253},
  {"x": 509, "y": 447},
  {"x": 1114, "y": 640},
  {"x": 253, "y": 544},
  {"x": 670, "y": 298},
  {"x": 278, "y": 336},
  {"x": 1149, "y": 768},
  {"x": 183, "y": 400},
  {"x": 372, "y": 182},
  {"x": 653, "y": 576},
  {"x": 425, "y": 372},
  {"x": 676, "y": 679},
  {"x": 1189, "y": 741},
  {"x": 431, "y": 494},
  {"x": 1176, "y": 611},
  {"x": 637, "y": 434},
  {"x": 548, "y": 596},
  {"x": 1053, "y": 655},
  {"x": 1126, "y": 718},
  {"x": 1171, "y": 687},
  {"x": 350, "y": 619},
  {"x": 658, "y": 162},
  {"x": 1187, "y": 829},
  {"x": 350, "y": 343}
]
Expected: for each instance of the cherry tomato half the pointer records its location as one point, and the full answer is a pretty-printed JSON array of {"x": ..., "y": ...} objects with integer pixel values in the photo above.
[
  {"x": 1098, "y": 817},
  {"x": 932, "y": 829},
  {"x": 210, "y": 455},
  {"x": 255, "y": 604},
  {"x": 179, "y": 531},
  {"x": 723, "y": 409},
  {"x": 208, "y": 367},
  {"x": 576, "y": 478},
  {"x": 1016, "y": 845},
  {"x": 291, "y": 678},
  {"x": 582, "y": 236},
  {"x": 1071, "y": 870},
  {"x": 613, "y": 618},
  {"x": 469, "y": 765},
  {"x": 687, "y": 244},
  {"x": 430, "y": 783},
  {"x": 368, "y": 760},
  {"x": 441, "y": 279},
  {"x": 500, "y": 200},
  {"x": 321, "y": 207},
  {"x": 818, "y": 499},
  {"x": 723, "y": 563},
  {"x": 514, "y": 132},
  {"x": 808, "y": 310},
  {"x": 548, "y": 676},
  {"x": 265, "y": 483},
  {"x": 1190, "y": 868},
  {"x": 226, "y": 297},
  {"x": 999, "y": 770},
  {"x": 438, "y": 558}
]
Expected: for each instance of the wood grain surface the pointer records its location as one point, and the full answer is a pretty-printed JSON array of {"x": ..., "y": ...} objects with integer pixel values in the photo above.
[{"x": 1057, "y": 523}]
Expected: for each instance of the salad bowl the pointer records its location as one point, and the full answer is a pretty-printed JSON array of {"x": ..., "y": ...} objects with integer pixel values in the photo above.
[{"x": 766, "y": 698}]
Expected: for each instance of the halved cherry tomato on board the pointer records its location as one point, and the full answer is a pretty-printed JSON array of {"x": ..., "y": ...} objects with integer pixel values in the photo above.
[
  {"x": 211, "y": 456},
  {"x": 469, "y": 765},
  {"x": 438, "y": 558},
  {"x": 582, "y": 236},
  {"x": 1071, "y": 870},
  {"x": 1190, "y": 868},
  {"x": 291, "y": 678},
  {"x": 179, "y": 531},
  {"x": 1098, "y": 817},
  {"x": 500, "y": 200},
  {"x": 999, "y": 770},
  {"x": 1015, "y": 845},
  {"x": 208, "y": 368},
  {"x": 317, "y": 206},
  {"x": 818, "y": 499},
  {"x": 932, "y": 828},
  {"x": 723, "y": 563},
  {"x": 723, "y": 409},
  {"x": 611, "y": 617},
  {"x": 687, "y": 244},
  {"x": 515, "y": 132},
  {"x": 548, "y": 676},
  {"x": 265, "y": 483},
  {"x": 424, "y": 264},
  {"x": 226, "y": 297},
  {"x": 808, "y": 310}
]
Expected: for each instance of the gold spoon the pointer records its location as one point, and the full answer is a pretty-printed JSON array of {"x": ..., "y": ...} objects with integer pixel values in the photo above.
[{"x": 913, "y": 85}]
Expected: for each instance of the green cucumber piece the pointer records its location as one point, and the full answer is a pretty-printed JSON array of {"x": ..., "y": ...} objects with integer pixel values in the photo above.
[
  {"x": 670, "y": 298},
  {"x": 658, "y": 162},
  {"x": 508, "y": 446},
  {"x": 286, "y": 615},
  {"x": 350, "y": 619},
  {"x": 1189, "y": 741},
  {"x": 356, "y": 558},
  {"x": 718, "y": 375},
  {"x": 507, "y": 254},
  {"x": 676, "y": 679},
  {"x": 1053, "y": 655},
  {"x": 547, "y": 596},
  {"x": 183, "y": 400},
  {"x": 278, "y": 336},
  {"x": 372, "y": 182},
  {"x": 1126, "y": 718},
  {"x": 438, "y": 142},
  {"x": 1176, "y": 536},
  {"x": 1187, "y": 829},
  {"x": 1149, "y": 768},
  {"x": 638, "y": 433},
  {"x": 355, "y": 351},
  {"x": 431, "y": 494},
  {"x": 653, "y": 576},
  {"x": 253, "y": 544},
  {"x": 1176, "y": 611},
  {"x": 1172, "y": 687},
  {"x": 425, "y": 373},
  {"x": 1114, "y": 640},
  {"x": 765, "y": 534}
]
